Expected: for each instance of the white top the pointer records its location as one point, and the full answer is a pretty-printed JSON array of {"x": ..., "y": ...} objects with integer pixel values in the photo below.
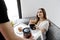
[{"x": 44, "y": 25}]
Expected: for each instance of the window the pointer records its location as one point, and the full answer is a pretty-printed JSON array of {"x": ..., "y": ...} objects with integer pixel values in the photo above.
[
  {"x": 13, "y": 9},
  {"x": 19, "y": 8}
]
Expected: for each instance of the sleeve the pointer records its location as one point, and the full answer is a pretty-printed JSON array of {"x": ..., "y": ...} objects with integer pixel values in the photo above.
[
  {"x": 3, "y": 12},
  {"x": 45, "y": 25}
]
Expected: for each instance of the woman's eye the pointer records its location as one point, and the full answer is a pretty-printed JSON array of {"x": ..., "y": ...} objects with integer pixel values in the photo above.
[{"x": 40, "y": 11}]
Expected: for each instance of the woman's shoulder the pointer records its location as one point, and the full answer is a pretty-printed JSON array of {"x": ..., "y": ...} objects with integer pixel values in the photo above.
[{"x": 46, "y": 21}]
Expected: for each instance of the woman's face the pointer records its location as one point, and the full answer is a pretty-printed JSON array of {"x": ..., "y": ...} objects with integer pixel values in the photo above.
[{"x": 40, "y": 14}]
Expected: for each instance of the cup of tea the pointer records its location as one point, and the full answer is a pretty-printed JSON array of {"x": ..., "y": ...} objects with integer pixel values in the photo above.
[
  {"x": 27, "y": 33},
  {"x": 32, "y": 26}
]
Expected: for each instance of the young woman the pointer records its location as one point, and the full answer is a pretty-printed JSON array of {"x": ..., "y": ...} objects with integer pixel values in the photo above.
[{"x": 41, "y": 22}]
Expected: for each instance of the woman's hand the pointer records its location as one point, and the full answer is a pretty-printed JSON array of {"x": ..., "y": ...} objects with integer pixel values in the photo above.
[{"x": 32, "y": 21}]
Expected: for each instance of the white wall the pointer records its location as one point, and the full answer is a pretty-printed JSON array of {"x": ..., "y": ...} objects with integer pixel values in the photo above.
[
  {"x": 12, "y": 9},
  {"x": 52, "y": 7}
]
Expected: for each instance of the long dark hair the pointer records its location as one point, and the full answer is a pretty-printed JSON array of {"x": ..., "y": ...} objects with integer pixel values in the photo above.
[{"x": 44, "y": 14}]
